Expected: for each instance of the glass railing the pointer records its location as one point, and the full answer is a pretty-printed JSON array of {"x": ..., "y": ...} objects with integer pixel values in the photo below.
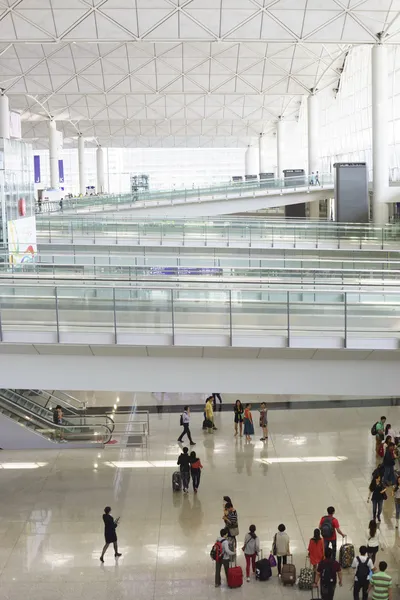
[
  {"x": 85, "y": 431},
  {"x": 218, "y": 233},
  {"x": 167, "y": 276},
  {"x": 131, "y": 316},
  {"x": 304, "y": 182}
]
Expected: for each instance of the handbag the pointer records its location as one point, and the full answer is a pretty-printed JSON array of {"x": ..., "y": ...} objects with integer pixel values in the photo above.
[
  {"x": 272, "y": 561},
  {"x": 233, "y": 531},
  {"x": 274, "y": 546}
]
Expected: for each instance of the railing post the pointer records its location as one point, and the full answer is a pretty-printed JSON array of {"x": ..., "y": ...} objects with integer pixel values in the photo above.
[
  {"x": 230, "y": 319},
  {"x": 115, "y": 318},
  {"x": 172, "y": 317},
  {"x": 345, "y": 319},
  {"x": 382, "y": 238},
  {"x": 288, "y": 317},
  {"x": 1, "y": 329},
  {"x": 57, "y": 315}
]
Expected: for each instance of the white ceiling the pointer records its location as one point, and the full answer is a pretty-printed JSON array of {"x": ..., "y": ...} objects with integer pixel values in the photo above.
[{"x": 176, "y": 72}]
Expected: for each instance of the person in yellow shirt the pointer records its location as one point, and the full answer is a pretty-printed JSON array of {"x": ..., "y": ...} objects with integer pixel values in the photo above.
[{"x": 210, "y": 414}]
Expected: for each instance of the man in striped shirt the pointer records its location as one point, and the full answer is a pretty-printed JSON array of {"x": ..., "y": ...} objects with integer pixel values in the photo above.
[{"x": 381, "y": 583}]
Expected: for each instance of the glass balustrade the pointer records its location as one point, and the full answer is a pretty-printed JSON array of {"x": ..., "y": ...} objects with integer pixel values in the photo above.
[{"x": 127, "y": 315}]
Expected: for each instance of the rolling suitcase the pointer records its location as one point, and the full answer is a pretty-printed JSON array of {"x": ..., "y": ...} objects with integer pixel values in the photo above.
[
  {"x": 306, "y": 576},
  {"x": 346, "y": 554},
  {"x": 176, "y": 481},
  {"x": 288, "y": 575},
  {"x": 235, "y": 576},
  {"x": 263, "y": 568}
]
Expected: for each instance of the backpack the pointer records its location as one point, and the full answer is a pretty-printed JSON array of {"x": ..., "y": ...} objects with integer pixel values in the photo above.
[
  {"x": 373, "y": 429},
  {"x": 181, "y": 421},
  {"x": 362, "y": 572},
  {"x": 328, "y": 576},
  {"x": 217, "y": 551},
  {"x": 327, "y": 529}
]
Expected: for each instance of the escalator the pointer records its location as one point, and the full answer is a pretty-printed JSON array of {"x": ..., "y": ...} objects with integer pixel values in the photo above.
[{"x": 37, "y": 429}]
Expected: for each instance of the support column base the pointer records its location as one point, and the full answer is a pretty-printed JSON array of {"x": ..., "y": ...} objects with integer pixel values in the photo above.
[
  {"x": 313, "y": 209},
  {"x": 380, "y": 214}
]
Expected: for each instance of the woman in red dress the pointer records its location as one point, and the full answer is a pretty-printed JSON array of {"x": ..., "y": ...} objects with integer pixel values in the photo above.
[{"x": 316, "y": 549}]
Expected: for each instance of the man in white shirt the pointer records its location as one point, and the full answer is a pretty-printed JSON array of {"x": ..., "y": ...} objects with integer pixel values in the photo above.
[
  {"x": 185, "y": 420},
  {"x": 363, "y": 565}
]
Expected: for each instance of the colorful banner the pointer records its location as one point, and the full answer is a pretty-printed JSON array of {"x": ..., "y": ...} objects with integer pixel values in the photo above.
[
  {"x": 36, "y": 167},
  {"x": 61, "y": 171},
  {"x": 22, "y": 245}
]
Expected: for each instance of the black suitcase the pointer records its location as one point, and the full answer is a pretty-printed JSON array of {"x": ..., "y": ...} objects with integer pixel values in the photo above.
[
  {"x": 263, "y": 570},
  {"x": 176, "y": 481}
]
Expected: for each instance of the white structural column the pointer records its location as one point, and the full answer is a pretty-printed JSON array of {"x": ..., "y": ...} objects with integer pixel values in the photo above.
[
  {"x": 263, "y": 153},
  {"x": 251, "y": 161},
  {"x": 4, "y": 117},
  {"x": 53, "y": 155},
  {"x": 380, "y": 150},
  {"x": 280, "y": 147},
  {"x": 313, "y": 146},
  {"x": 81, "y": 165},
  {"x": 100, "y": 169}
]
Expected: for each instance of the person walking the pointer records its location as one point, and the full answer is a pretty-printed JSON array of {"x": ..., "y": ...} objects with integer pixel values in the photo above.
[
  {"x": 373, "y": 540},
  {"x": 389, "y": 477},
  {"x": 185, "y": 420},
  {"x": 396, "y": 495},
  {"x": 210, "y": 415},
  {"x": 380, "y": 432},
  {"x": 184, "y": 466},
  {"x": 281, "y": 547},
  {"x": 329, "y": 525},
  {"x": 381, "y": 583},
  {"x": 195, "y": 470},
  {"x": 264, "y": 421},
  {"x": 110, "y": 534},
  {"x": 226, "y": 554},
  {"x": 248, "y": 423},
  {"x": 316, "y": 550},
  {"x": 363, "y": 565},
  {"x": 215, "y": 397},
  {"x": 238, "y": 412},
  {"x": 251, "y": 549},
  {"x": 317, "y": 178},
  {"x": 377, "y": 491},
  {"x": 327, "y": 574}
]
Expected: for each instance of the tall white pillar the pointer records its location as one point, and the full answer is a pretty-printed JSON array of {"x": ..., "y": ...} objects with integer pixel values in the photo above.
[
  {"x": 100, "y": 169},
  {"x": 53, "y": 155},
  {"x": 313, "y": 146},
  {"x": 380, "y": 150},
  {"x": 81, "y": 165},
  {"x": 251, "y": 161},
  {"x": 280, "y": 147},
  {"x": 4, "y": 117},
  {"x": 263, "y": 154}
]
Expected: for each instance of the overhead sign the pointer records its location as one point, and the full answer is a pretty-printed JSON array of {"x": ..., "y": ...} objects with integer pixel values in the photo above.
[
  {"x": 36, "y": 168},
  {"x": 22, "y": 244},
  {"x": 61, "y": 171}
]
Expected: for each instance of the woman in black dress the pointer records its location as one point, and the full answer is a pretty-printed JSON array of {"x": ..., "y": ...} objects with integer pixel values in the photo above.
[{"x": 109, "y": 533}]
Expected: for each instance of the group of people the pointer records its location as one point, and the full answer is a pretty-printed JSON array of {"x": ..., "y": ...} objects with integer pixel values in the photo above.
[
  {"x": 385, "y": 477},
  {"x": 190, "y": 466},
  {"x": 322, "y": 549}
]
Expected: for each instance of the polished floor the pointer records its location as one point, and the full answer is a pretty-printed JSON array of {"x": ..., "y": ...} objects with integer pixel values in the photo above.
[{"x": 52, "y": 503}]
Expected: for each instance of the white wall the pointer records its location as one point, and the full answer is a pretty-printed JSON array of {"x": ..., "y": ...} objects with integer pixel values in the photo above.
[{"x": 245, "y": 376}]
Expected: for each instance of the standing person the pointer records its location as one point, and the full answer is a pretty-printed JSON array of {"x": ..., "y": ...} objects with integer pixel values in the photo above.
[
  {"x": 316, "y": 549},
  {"x": 231, "y": 521},
  {"x": 377, "y": 491},
  {"x": 381, "y": 583},
  {"x": 185, "y": 420},
  {"x": 363, "y": 565},
  {"x": 329, "y": 525},
  {"x": 264, "y": 421},
  {"x": 251, "y": 548},
  {"x": 210, "y": 415},
  {"x": 380, "y": 432},
  {"x": 110, "y": 534},
  {"x": 389, "y": 461},
  {"x": 195, "y": 470},
  {"x": 396, "y": 495},
  {"x": 317, "y": 178},
  {"x": 312, "y": 178},
  {"x": 373, "y": 540},
  {"x": 238, "y": 411},
  {"x": 184, "y": 465},
  {"x": 281, "y": 547},
  {"x": 248, "y": 423},
  {"x": 327, "y": 573},
  {"x": 226, "y": 554}
]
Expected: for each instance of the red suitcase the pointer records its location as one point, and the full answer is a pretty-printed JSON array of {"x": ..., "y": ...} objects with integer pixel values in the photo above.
[{"x": 235, "y": 577}]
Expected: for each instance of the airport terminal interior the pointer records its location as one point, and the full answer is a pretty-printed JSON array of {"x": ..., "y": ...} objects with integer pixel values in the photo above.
[{"x": 199, "y": 277}]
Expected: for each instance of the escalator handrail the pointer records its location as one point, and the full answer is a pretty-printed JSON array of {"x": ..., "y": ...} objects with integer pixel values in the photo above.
[{"x": 38, "y": 418}]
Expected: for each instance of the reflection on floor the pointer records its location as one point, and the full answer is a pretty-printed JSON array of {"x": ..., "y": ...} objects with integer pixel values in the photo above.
[{"x": 52, "y": 503}]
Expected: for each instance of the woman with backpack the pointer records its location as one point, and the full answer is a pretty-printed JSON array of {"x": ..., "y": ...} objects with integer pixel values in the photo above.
[
  {"x": 248, "y": 423},
  {"x": 316, "y": 550},
  {"x": 251, "y": 548},
  {"x": 373, "y": 540},
  {"x": 377, "y": 492}
]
